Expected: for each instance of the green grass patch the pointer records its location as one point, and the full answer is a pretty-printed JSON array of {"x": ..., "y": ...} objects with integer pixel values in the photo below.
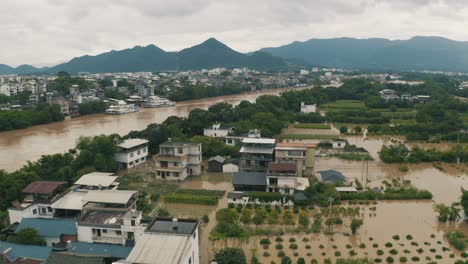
[
  {"x": 201, "y": 192},
  {"x": 307, "y": 136},
  {"x": 353, "y": 156},
  {"x": 191, "y": 199},
  {"x": 344, "y": 104},
  {"x": 312, "y": 126}
]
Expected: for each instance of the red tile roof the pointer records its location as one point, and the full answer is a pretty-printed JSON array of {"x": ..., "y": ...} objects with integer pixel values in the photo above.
[
  {"x": 282, "y": 167},
  {"x": 42, "y": 187}
]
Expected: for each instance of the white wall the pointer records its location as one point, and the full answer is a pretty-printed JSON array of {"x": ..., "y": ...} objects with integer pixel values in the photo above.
[
  {"x": 209, "y": 132},
  {"x": 28, "y": 212},
  {"x": 230, "y": 168},
  {"x": 124, "y": 157}
]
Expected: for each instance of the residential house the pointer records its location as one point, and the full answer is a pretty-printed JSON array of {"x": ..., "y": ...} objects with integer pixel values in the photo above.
[
  {"x": 301, "y": 154},
  {"x": 339, "y": 143},
  {"x": 112, "y": 226},
  {"x": 230, "y": 167},
  {"x": 388, "y": 94},
  {"x": 171, "y": 241},
  {"x": 178, "y": 160},
  {"x": 256, "y": 153},
  {"x": 131, "y": 152},
  {"x": 306, "y": 109},
  {"x": 283, "y": 178},
  {"x": 37, "y": 202},
  {"x": 217, "y": 130},
  {"x": 249, "y": 181},
  {"x": 215, "y": 164}
]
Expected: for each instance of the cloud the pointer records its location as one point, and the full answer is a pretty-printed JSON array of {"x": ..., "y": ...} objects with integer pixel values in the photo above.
[{"x": 56, "y": 30}]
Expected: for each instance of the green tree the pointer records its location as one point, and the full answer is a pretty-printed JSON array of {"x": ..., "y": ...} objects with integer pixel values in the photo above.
[
  {"x": 304, "y": 219},
  {"x": 343, "y": 129},
  {"x": 355, "y": 225},
  {"x": 231, "y": 256},
  {"x": 27, "y": 236}
]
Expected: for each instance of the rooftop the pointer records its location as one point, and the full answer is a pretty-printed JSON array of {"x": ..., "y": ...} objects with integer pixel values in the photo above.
[
  {"x": 332, "y": 176},
  {"x": 170, "y": 144},
  {"x": 170, "y": 249},
  {"x": 282, "y": 167},
  {"x": 295, "y": 145},
  {"x": 218, "y": 159},
  {"x": 73, "y": 258},
  {"x": 345, "y": 189},
  {"x": 103, "y": 217},
  {"x": 47, "y": 227},
  {"x": 249, "y": 178},
  {"x": 26, "y": 251},
  {"x": 112, "y": 250},
  {"x": 173, "y": 226},
  {"x": 97, "y": 179},
  {"x": 109, "y": 196},
  {"x": 258, "y": 141},
  {"x": 132, "y": 142},
  {"x": 235, "y": 195},
  {"x": 257, "y": 150},
  {"x": 43, "y": 187},
  {"x": 71, "y": 201}
]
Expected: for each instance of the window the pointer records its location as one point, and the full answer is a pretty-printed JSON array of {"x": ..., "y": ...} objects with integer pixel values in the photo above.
[
  {"x": 158, "y": 173},
  {"x": 144, "y": 150},
  {"x": 43, "y": 210},
  {"x": 118, "y": 232},
  {"x": 132, "y": 222},
  {"x": 176, "y": 174},
  {"x": 190, "y": 260},
  {"x": 180, "y": 150},
  {"x": 139, "y": 152},
  {"x": 49, "y": 209},
  {"x": 195, "y": 235},
  {"x": 131, "y": 155},
  {"x": 104, "y": 231},
  {"x": 34, "y": 211}
]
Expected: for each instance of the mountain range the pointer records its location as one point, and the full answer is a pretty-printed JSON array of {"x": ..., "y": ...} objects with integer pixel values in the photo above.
[{"x": 417, "y": 53}]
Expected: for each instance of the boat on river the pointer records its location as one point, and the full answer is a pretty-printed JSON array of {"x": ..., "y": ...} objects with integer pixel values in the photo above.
[
  {"x": 122, "y": 108},
  {"x": 156, "y": 101}
]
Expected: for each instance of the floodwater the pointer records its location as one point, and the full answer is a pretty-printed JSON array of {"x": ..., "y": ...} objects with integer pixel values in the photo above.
[{"x": 19, "y": 146}]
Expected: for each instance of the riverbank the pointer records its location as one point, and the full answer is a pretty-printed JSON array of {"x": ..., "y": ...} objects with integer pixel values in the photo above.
[{"x": 19, "y": 146}]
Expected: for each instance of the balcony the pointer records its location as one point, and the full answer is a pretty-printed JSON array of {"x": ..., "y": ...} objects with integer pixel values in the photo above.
[
  {"x": 162, "y": 157},
  {"x": 170, "y": 168},
  {"x": 107, "y": 240}
]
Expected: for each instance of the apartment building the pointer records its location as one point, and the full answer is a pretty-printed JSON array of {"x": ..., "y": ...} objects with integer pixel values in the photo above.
[
  {"x": 217, "y": 131},
  {"x": 256, "y": 153},
  {"x": 301, "y": 154},
  {"x": 283, "y": 178},
  {"x": 178, "y": 160},
  {"x": 131, "y": 152}
]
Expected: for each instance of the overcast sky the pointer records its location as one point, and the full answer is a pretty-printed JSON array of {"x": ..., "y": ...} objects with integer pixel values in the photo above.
[{"x": 44, "y": 32}]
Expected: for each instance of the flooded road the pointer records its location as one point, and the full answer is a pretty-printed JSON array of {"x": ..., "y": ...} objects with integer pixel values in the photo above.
[{"x": 19, "y": 146}]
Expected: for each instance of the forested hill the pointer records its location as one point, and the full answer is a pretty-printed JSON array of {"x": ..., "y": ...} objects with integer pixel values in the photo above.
[
  {"x": 207, "y": 55},
  {"x": 417, "y": 53}
]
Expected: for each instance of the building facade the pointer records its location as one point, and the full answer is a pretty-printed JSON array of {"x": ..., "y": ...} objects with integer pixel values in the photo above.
[
  {"x": 178, "y": 160},
  {"x": 131, "y": 153}
]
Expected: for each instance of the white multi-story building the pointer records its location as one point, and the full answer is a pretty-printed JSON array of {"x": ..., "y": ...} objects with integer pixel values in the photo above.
[
  {"x": 177, "y": 160},
  {"x": 283, "y": 178},
  {"x": 306, "y": 109},
  {"x": 171, "y": 241},
  {"x": 217, "y": 130},
  {"x": 111, "y": 226},
  {"x": 131, "y": 152}
]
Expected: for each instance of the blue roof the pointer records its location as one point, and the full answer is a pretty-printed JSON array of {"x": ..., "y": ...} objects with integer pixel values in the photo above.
[
  {"x": 41, "y": 253},
  {"x": 48, "y": 227},
  {"x": 111, "y": 250},
  {"x": 27, "y": 251}
]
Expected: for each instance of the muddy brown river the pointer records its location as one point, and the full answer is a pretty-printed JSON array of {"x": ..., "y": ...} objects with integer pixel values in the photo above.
[{"x": 19, "y": 146}]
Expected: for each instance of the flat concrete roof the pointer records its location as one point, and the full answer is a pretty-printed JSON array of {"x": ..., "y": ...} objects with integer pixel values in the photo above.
[
  {"x": 103, "y": 179},
  {"x": 259, "y": 141},
  {"x": 133, "y": 142},
  {"x": 71, "y": 201},
  {"x": 109, "y": 196}
]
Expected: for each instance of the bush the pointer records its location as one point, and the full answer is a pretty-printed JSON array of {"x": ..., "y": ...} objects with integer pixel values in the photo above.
[
  {"x": 388, "y": 244},
  {"x": 456, "y": 239},
  {"x": 163, "y": 212},
  {"x": 396, "y": 237},
  {"x": 154, "y": 197},
  {"x": 27, "y": 236},
  {"x": 415, "y": 259},
  {"x": 293, "y": 246},
  {"x": 380, "y": 252},
  {"x": 231, "y": 256},
  {"x": 300, "y": 260},
  {"x": 279, "y": 246},
  {"x": 205, "y": 218},
  {"x": 409, "y": 237},
  {"x": 265, "y": 241},
  {"x": 286, "y": 260},
  {"x": 393, "y": 251},
  {"x": 390, "y": 260},
  {"x": 403, "y": 259},
  {"x": 265, "y": 196},
  {"x": 191, "y": 199}
]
